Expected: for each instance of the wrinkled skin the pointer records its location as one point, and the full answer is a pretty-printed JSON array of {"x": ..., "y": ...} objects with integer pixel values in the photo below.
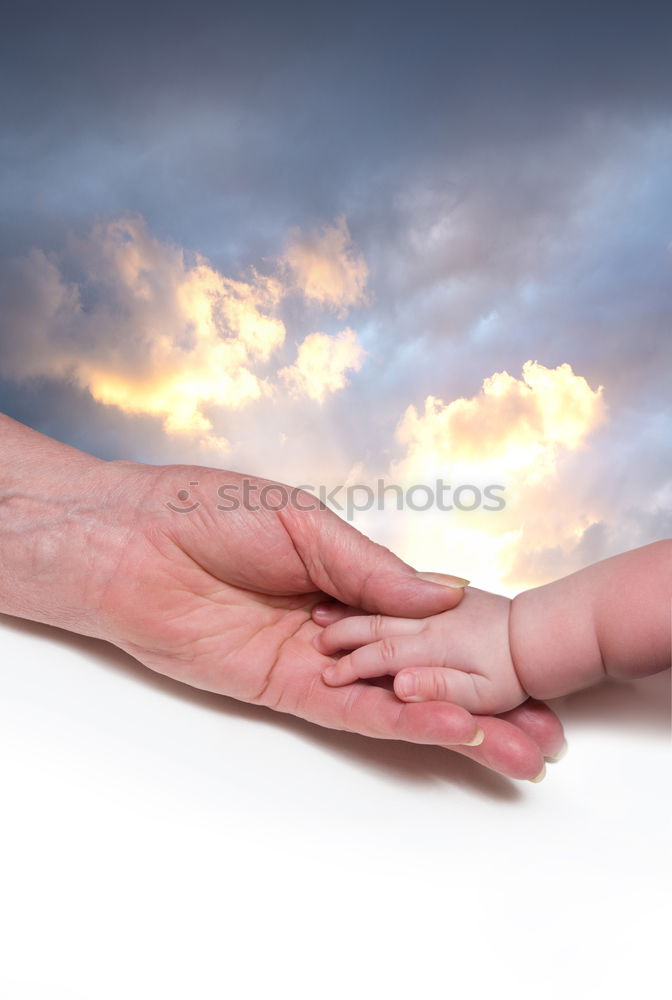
[{"x": 222, "y": 600}]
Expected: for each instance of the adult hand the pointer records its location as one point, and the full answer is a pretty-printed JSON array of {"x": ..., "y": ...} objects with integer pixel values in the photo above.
[{"x": 222, "y": 598}]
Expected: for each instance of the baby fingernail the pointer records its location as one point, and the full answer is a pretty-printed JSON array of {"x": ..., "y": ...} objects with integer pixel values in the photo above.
[
  {"x": 540, "y": 776},
  {"x": 476, "y": 741},
  {"x": 553, "y": 758},
  {"x": 444, "y": 580},
  {"x": 329, "y": 673},
  {"x": 406, "y": 686}
]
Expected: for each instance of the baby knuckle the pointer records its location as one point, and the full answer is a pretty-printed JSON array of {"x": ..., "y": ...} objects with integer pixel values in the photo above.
[
  {"x": 438, "y": 686},
  {"x": 376, "y": 626},
  {"x": 387, "y": 649}
]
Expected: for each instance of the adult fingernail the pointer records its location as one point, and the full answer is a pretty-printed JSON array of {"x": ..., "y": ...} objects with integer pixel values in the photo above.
[
  {"x": 553, "y": 758},
  {"x": 444, "y": 580},
  {"x": 476, "y": 741},
  {"x": 540, "y": 776}
]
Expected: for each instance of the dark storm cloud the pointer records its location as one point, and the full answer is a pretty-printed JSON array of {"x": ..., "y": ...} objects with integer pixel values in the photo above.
[
  {"x": 237, "y": 120},
  {"x": 410, "y": 61}
]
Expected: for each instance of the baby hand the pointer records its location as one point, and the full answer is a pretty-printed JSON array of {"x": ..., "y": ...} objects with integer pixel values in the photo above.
[{"x": 461, "y": 656}]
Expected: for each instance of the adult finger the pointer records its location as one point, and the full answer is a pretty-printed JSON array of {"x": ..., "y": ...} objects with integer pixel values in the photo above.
[
  {"x": 344, "y": 563},
  {"x": 507, "y": 749},
  {"x": 542, "y": 724}
]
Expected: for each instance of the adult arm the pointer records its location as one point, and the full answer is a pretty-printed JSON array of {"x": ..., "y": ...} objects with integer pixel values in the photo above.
[{"x": 221, "y": 598}]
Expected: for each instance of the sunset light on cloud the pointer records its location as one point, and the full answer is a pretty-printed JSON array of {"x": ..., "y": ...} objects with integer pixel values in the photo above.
[
  {"x": 342, "y": 281},
  {"x": 515, "y": 433},
  {"x": 520, "y": 424},
  {"x": 326, "y": 268},
  {"x": 322, "y": 364},
  {"x": 169, "y": 337}
]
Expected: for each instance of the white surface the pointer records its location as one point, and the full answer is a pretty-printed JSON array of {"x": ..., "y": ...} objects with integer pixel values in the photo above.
[{"x": 157, "y": 842}]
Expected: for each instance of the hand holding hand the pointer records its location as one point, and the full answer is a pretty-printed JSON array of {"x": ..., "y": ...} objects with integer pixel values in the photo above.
[
  {"x": 461, "y": 656},
  {"x": 223, "y": 601},
  {"x": 222, "y": 598}
]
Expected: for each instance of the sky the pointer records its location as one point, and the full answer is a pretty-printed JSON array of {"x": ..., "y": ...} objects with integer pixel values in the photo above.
[{"x": 349, "y": 244}]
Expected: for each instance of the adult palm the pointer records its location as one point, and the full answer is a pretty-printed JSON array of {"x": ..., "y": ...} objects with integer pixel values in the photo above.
[{"x": 214, "y": 588}]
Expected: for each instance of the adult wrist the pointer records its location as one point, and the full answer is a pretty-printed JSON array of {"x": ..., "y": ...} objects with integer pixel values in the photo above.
[{"x": 61, "y": 533}]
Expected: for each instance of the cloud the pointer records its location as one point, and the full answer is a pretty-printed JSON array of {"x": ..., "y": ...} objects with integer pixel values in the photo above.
[
  {"x": 522, "y": 435},
  {"x": 153, "y": 330},
  {"x": 37, "y": 307},
  {"x": 322, "y": 363},
  {"x": 521, "y": 424},
  {"x": 327, "y": 268},
  {"x": 524, "y": 214},
  {"x": 582, "y": 480}
]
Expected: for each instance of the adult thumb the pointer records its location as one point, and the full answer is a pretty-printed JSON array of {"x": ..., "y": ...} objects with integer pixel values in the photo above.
[{"x": 348, "y": 566}]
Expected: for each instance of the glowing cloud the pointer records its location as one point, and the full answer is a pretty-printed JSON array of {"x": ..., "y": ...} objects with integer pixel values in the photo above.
[
  {"x": 519, "y": 424},
  {"x": 322, "y": 363},
  {"x": 516, "y": 433},
  {"x": 327, "y": 268},
  {"x": 155, "y": 331},
  {"x": 202, "y": 332}
]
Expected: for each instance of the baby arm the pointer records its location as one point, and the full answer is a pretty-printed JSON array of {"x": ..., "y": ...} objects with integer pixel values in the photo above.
[
  {"x": 611, "y": 619},
  {"x": 489, "y": 654}
]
